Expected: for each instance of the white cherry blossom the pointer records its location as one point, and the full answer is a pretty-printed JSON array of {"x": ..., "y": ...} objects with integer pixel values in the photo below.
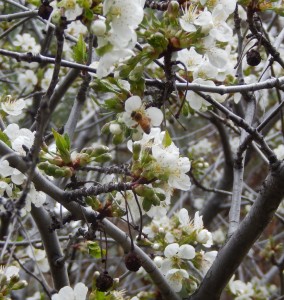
[
  {"x": 27, "y": 43},
  {"x": 175, "y": 278},
  {"x": 172, "y": 165},
  {"x": 5, "y": 188},
  {"x": 9, "y": 272},
  {"x": 187, "y": 20},
  {"x": 175, "y": 255},
  {"x": 107, "y": 62},
  {"x": 27, "y": 80},
  {"x": 207, "y": 260},
  {"x": 67, "y": 293},
  {"x": 12, "y": 106},
  {"x": 19, "y": 137},
  {"x": 5, "y": 169},
  {"x": 190, "y": 58},
  {"x": 36, "y": 197},
  {"x": 134, "y": 105},
  {"x": 196, "y": 101}
]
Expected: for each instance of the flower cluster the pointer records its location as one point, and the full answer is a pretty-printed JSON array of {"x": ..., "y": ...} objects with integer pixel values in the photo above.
[
  {"x": 10, "y": 281},
  {"x": 215, "y": 62},
  {"x": 184, "y": 243},
  {"x": 116, "y": 32},
  {"x": 10, "y": 178},
  {"x": 255, "y": 289}
]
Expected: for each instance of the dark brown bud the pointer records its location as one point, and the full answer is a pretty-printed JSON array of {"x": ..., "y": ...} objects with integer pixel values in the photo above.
[
  {"x": 45, "y": 10},
  {"x": 104, "y": 282},
  {"x": 132, "y": 262},
  {"x": 253, "y": 58}
]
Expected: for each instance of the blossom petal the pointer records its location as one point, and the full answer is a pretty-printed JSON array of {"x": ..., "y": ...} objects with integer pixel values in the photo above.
[
  {"x": 171, "y": 250},
  {"x": 183, "y": 217},
  {"x": 133, "y": 103},
  {"x": 186, "y": 252},
  {"x": 156, "y": 115},
  {"x": 80, "y": 291}
]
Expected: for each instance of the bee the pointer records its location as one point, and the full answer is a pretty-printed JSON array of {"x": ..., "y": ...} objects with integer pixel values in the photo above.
[{"x": 142, "y": 120}]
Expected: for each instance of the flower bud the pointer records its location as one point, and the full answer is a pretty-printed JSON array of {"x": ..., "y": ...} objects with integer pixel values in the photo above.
[
  {"x": 105, "y": 128},
  {"x": 20, "y": 285},
  {"x": 43, "y": 165},
  {"x": 203, "y": 236},
  {"x": 158, "y": 261},
  {"x": 136, "y": 148},
  {"x": 144, "y": 191},
  {"x": 103, "y": 158},
  {"x": 115, "y": 128},
  {"x": 3, "y": 280},
  {"x": 81, "y": 160},
  {"x": 173, "y": 10},
  {"x": 96, "y": 150},
  {"x": 158, "y": 41},
  {"x": 57, "y": 160},
  {"x": 117, "y": 139},
  {"x": 156, "y": 246},
  {"x": 98, "y": 27},
  {"x": 14, "y": 279}
]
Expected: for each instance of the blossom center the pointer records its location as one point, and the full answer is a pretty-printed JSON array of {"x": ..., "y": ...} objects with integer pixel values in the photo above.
[{"x": 190, "y": 14}]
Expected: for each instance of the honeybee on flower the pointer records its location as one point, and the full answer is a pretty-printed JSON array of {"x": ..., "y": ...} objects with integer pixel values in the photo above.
[{"x": 137, "y": 116}]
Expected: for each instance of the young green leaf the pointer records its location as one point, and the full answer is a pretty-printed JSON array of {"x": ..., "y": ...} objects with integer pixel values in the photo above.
[
  {"x": 80, "y": 51},
  {"x": 63, "y": 145},
  {"x": 167, "y": 140}
]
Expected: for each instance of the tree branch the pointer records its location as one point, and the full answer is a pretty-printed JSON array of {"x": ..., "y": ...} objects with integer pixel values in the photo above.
[
  {"x": 80, "y": 213},
  {"x": 232, "y": 254}
]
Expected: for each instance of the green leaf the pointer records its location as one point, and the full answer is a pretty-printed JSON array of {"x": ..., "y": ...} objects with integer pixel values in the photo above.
[
  {"x": 97, "y": 295},
  {"x": 94, "y": 249},
  {"x": 113, "y": 104},
  {"x": 88, "y": 14},
  {"x": 167, "y": 140},
  {"x": 4, "y": 138},
  {"x": 63, "y": 145},
  {"x": 137, "y": 87},
  {"x": 104, "y": 86},
  {"x": 80, "y": 51}
]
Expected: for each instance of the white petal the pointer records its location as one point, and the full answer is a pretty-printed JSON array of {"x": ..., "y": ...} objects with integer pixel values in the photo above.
[
  {"x": 66, "y": 293},
  {"x": 171, "y": 250},
  {"x": 198, "y": 223},
  {"x": 80, "y": 291},
  {"x": 186, "y": 252},
  {"x": 194, "y": 100},
  {"x": 183, "y": 217},
  {"x": 218, "y": 57},
  {"x": 186, "y": 26},
  {"x": 10, "y": 271},
  {"x": 133, "y": 103},
  {"x": 181, "y": 182},
  {"x": 156, "y": 115}
]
